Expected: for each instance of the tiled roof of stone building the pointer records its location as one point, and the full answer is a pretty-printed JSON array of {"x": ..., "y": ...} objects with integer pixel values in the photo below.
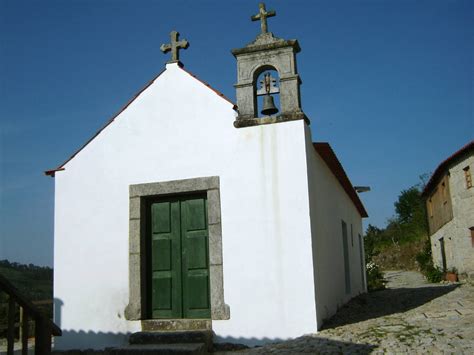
[
  {"x": 445, "y": 165},
  {"x": 327, "y": 154}
]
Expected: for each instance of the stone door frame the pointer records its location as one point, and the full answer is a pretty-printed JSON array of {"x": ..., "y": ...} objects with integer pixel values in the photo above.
[{"x": 136, "y": 309}]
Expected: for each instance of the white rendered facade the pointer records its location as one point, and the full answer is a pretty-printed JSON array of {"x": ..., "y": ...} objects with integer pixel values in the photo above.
[{"x": 281, "y": 211}]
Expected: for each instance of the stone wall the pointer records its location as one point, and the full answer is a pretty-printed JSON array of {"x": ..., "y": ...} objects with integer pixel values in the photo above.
[{"x": 457, "y": 236}]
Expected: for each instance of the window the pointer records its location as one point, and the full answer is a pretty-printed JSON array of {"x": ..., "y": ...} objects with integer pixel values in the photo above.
[
  {"x": 468, "y": 177},
  {"x": 472, "y": 236}
]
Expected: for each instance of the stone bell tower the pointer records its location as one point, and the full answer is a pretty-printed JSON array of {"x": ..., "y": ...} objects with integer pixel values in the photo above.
[{"x": 267, "y": 53}]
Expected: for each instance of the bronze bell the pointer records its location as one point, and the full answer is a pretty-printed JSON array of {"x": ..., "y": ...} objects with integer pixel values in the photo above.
[{"x": 269, "y": 107}]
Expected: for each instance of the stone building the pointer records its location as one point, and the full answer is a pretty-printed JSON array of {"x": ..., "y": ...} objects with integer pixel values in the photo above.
[
  {"x": 450, "y": 206},
  {"x": 186, "y": 211}
]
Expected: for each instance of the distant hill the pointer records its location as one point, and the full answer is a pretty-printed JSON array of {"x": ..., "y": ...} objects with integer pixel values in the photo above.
[{"x": 33, "y": 282}]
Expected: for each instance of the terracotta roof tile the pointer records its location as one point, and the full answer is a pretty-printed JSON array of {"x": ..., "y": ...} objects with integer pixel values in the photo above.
[
  {"x": 327, "y": 154},
  {"x": 441, "y": 169}
]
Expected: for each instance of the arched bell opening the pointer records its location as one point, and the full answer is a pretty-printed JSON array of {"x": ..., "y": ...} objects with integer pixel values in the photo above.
[{"x": 266, "y": 92}]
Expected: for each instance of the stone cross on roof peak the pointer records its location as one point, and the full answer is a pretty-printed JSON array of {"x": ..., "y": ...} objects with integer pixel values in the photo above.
[
  {"x": 174, "y": 46},
  {"x": 262, "y": 16}
]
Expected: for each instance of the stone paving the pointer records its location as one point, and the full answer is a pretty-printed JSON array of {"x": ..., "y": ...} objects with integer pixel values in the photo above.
[{"x": 409, "y": 317}]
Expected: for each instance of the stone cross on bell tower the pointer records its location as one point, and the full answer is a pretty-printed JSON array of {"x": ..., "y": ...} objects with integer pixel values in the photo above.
[
  {"x": 262, "y": 16},
  {"x": 174, "y": 46},
  {"x": 267, "y": 52}
]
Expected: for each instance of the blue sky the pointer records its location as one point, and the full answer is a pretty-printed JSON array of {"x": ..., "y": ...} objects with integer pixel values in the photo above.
[{"x": 389, "y": 83}]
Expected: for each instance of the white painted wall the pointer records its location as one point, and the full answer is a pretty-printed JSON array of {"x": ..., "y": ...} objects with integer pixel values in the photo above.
[
  {"x": 457, "y": 236},
  {"x": 178, "y": 129},
  {"x": 329, "y": 205}
]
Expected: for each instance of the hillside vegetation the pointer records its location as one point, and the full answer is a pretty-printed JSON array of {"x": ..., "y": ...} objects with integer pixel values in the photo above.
[
  {"x": 33, "y": 282},
  {"x": 404, "y": 243},
  {"x": 396, "y": 245}
]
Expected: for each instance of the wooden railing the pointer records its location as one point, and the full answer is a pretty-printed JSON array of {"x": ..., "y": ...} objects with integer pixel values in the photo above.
[{"x": 44, "y": 327}]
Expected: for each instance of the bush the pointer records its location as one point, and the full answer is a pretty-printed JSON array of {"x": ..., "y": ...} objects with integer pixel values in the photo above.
[
  {"x": 423, "y": 258},
  {"x": 425, "y": 261},
  {"x": 434, "y": 274},
  {"x": 375, "y": 280}
]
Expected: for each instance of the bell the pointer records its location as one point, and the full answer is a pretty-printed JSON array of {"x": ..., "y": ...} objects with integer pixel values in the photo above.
[{"x": 269, "y": 107}]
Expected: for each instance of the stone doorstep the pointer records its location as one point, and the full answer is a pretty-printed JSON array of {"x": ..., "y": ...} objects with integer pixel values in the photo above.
[
  {"x": 176, "y": 337},
  {"x": 161, "y": 349},
  {"x": 163, "y": 325},
  {"x": 174, "y": 331}
]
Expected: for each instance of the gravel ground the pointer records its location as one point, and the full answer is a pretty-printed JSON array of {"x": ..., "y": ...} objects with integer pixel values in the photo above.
[{"x": 409, "y": 317}]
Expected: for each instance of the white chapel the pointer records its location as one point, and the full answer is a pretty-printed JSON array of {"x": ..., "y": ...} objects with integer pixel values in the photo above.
[{"x": 189, "y": 212}]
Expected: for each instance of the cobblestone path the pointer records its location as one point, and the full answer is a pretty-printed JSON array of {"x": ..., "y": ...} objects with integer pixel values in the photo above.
[{"x": 410, "y": 317}]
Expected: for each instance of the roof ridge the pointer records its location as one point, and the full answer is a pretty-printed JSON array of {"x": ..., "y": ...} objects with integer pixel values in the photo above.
[
  {"x": 61, "y": 167},
  {"x": 210, "y": 87}
]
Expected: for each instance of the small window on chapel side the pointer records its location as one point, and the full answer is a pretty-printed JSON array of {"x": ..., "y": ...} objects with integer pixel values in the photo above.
[
  {"x": 468, "y": 177},
  {"x": 430, "y": 208}
]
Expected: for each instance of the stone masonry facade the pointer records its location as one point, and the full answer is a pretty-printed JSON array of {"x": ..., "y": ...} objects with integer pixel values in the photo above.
[{"x": 458, "y": 243}]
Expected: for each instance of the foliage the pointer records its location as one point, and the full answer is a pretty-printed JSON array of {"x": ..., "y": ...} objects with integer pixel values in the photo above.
[
  {"x": 424, "y": 257},
  {"x": 425, "y": 262},
  {"x": 375, "y": 279},
  {"x": 371, "y": 240},
  {"x": 407, "y": 226},
  {"x": 409, "y": 223},
  {"x": 434, "y": 274},
  {"x": 398, "y": 243},
  {"x": 399, "y": 257},
  {"x": 33, "y": 282},
  {"x": 410, "y": 207}
]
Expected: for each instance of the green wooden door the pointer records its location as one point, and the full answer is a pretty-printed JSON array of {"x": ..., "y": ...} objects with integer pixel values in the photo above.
[{"x": 179, "y": 258}]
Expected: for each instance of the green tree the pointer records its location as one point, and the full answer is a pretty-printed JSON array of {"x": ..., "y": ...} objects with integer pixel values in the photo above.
[
  {"x": 411, "y": 214},
  {"x": 409, "y": 205},
  {"x": 371, "y": 240}
]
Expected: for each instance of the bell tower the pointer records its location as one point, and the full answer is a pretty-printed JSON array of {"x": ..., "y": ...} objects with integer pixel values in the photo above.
[{"x": 266, "y": 68}]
